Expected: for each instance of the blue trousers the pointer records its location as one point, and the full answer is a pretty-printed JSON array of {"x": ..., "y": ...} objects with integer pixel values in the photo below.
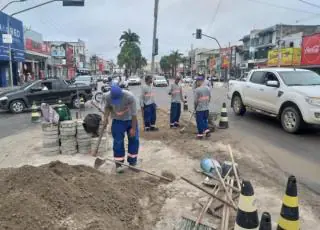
[
  {"x": 202, "y": 122},
  {"x": 150, "y": 115},
  {"x": 118, "y": 130},
  {"x": 175, "y": 113}
]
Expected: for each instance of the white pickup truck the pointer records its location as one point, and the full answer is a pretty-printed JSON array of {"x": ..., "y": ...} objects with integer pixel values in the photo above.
[{"x": 292, "y": 95}]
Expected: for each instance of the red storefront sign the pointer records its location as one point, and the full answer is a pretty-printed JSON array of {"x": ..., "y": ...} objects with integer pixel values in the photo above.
[
  {"x": 69, "y": 55},
  {"x": 37, "y": 47},
  {"x": 310, "y": 53}
]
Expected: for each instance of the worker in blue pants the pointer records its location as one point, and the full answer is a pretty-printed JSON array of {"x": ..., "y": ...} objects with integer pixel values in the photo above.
[
  {"x": 123, "y": 108},
  {"x": 176, "y": 98},
  {"x": 148, "y": 105},
  {"x": 202, "y": 97}
]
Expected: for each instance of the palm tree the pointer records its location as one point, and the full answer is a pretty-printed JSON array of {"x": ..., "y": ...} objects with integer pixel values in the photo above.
[
  {"x": 174, "y": 60},
  {"x": 129, "y": 37},
  {"x": 164, "y": 64}
]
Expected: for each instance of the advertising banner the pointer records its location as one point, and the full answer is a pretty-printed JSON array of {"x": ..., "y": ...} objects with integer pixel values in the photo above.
[
  {"x": 58, "y": 51},
  {"x": 37, "y": 47},
  {"x": 310, "y": 54},
  {"x": 69, "y": 55},
  {"x": 289, "y": 57},
  {"x": 16, "y": 30}
]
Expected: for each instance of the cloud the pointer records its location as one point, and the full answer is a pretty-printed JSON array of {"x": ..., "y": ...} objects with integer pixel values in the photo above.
[{"x": 101, "y": 22}]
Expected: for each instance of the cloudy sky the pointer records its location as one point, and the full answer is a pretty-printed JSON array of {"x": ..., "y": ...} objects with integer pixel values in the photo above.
[{"x": 101, "y": 22}]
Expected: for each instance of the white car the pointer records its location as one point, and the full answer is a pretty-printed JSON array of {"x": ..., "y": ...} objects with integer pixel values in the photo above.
[
  {"x": 187, "y": 80},
  {"x": 134, "y": 80},
  {"x": 160, "y": 81},
  {"x": 292, "y": 95}
]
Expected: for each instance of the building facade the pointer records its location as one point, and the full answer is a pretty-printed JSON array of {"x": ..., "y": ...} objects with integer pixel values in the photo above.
[{"x": 17, "y": 50}]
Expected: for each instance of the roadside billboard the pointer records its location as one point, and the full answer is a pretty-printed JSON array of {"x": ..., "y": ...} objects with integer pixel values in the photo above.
[
  {"x": 311, "y": 50},
  {"x": 289, "y": 57}
]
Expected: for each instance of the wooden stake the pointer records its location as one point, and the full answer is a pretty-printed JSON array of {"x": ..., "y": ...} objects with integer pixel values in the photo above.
[{"x": 234, "y": 167}]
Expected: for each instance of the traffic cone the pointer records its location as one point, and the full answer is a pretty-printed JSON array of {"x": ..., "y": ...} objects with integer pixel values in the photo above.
[
  {"x": 224, "y": 124},
  {"x": 35, "y": 115},
  {"x": 81, "y": 103},
  {"x": 185, "y": 104},
  {"x": 265, "y": 222},
  {"x": 247, "y": 214},
  {"x": 289, "y": 216}
]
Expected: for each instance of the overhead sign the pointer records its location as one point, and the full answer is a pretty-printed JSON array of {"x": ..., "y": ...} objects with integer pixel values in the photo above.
[
  {"x": 7, "y": 38},
  {"x": 73, "y": 3},
  {"x": 310, "y": 54}
]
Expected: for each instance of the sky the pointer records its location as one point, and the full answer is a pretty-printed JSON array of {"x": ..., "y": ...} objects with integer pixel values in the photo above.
[{"x": 101, "y": 22}]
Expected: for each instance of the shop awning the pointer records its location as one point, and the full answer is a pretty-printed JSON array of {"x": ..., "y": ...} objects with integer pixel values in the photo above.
[{"x": 37, "y": 54}]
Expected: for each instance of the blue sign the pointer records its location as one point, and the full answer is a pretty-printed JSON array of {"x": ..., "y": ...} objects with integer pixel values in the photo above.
[{"x": 16, "y": 30}]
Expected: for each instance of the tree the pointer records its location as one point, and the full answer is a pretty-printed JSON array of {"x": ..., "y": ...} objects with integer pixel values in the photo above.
[
  {"x": 129, "y": 37},
  {"x": 174, "y": 59},
  {"x": 164, "y": 64}
]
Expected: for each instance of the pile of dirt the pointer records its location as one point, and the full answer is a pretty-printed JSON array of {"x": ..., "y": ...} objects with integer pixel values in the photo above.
[{"x": 60, "y": 196}]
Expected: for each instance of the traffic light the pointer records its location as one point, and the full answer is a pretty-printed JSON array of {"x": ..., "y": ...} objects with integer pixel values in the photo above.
[
  {"x": 73, "y": 2},
  {"x": 156, "y": 47},
  {"x": 198, "y": 34}
]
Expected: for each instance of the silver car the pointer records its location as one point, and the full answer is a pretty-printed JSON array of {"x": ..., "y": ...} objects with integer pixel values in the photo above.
[
  {"x": 87, "y": 80},
  {"x": 160, "y": 81}
]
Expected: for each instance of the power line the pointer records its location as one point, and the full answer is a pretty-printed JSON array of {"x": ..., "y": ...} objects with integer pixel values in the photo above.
[
  {"x": 308, "y": 18},
  {"x": 310, "y": 3},
  {"x": 215, "y": 14},
  {"x": 281, "y": 7}
]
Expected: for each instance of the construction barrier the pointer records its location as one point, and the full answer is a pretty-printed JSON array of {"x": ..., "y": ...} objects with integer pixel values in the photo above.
[
  {"x": 224, "y": 123},
  {"x": 289, "y": 215},
  {"x": 35, "y": 115},
  {"x": 265, "y": 222},
  {"x": 247, "y": 214}
]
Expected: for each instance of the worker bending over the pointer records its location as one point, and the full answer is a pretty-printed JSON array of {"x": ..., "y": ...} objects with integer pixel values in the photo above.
[
  {"x": 123, "y": 107},
  {"x": 202, "y": 99},
  {"x": 176, "y": 98},
  {"x": 148, "y": 105}
]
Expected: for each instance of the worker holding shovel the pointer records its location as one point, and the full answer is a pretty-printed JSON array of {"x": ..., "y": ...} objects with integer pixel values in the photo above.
[
  {"x": 123, "y": 108},
  {"x": 176, "y": 99},
  {"x": 202, "y": 97}
]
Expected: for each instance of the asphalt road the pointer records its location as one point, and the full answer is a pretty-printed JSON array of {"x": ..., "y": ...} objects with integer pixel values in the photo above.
[{"x": 294, "y": 154}]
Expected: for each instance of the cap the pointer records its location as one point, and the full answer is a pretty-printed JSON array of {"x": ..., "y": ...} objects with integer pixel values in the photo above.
[
  {"x": 116, "y": 94},
  {"x": 199, "y": 78}
]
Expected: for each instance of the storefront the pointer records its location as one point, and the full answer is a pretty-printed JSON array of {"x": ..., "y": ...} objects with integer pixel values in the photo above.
[
  {"x": 63, "y": 64},
  {"x": 17, "y": 50},
  {"x": 310, "y": 54}
]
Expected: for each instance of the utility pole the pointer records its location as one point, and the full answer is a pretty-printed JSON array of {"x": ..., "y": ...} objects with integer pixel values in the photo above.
[
  {"x": 279, "y": 47},
  {"x": 155, "y": 24}
]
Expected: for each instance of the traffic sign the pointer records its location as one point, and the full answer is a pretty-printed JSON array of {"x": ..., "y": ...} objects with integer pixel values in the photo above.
[{"x": 7, "y": 38}]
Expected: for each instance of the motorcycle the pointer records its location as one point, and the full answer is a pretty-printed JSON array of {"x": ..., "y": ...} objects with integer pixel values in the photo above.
[{"x": 106, "y": 88}]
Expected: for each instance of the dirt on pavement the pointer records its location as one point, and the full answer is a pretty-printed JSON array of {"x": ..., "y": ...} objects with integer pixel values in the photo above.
[{"x": 60, "y": 196}]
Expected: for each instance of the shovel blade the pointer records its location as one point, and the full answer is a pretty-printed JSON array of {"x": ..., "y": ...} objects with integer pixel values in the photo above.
[{"x": 98, "y": 162}]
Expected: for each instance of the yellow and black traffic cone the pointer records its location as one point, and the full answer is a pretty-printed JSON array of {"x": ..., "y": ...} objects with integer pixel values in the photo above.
[
  {"x": 265, "y": 222},
  {"x": 247, "y": 214},
  {"x": 224, "y": 124},
  {"x": 81, "y": 103},
  {"x": 185, "y": 104},
  {"x": 289, "y": 216},
  {"x": 35, "y": 115}
]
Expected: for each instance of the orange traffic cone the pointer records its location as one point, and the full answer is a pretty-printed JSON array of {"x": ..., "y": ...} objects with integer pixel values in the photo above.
[
  {"x": 265, "y": 223},
  {"x": 289, "y": 216},
  {"x": 247, "y": 214}
]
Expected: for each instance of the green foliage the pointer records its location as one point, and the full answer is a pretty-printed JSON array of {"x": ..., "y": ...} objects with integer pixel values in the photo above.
[
  {"x": 171, "y": 62},
  {"x": 130, "y": 55}
]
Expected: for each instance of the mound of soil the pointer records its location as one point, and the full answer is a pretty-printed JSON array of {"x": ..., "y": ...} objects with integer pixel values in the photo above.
[{"x": 60, "y": 196}]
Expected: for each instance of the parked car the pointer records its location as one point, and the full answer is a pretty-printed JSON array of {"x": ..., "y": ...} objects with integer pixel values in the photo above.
[
  {"x": 160, "y": 81},
  {"x": 134, "y": 80},
  {"x": 88, "y": 80},
  {"x": 187, "y": 80},
  {"x": 19, "y": 99},
  {"x": 292, "y": 95}
]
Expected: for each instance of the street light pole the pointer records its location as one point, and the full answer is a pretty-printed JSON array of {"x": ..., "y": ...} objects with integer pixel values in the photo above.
[
  {"x": 9, "y": 3},
  {"x": 155, "y": 24}
]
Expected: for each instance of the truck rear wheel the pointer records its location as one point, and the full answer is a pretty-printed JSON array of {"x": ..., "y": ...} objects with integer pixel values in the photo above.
[
  {"x": 238, "y": 108},
  {"x": 291, "y": 119}
]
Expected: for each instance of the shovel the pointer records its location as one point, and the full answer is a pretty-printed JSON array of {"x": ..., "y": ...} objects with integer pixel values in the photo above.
[{"x": 182, "y": 130}]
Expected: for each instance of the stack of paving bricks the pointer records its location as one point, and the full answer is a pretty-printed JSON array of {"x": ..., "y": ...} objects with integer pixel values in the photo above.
[
  {"x": 68, "y": 138},
  {"x": 83, "y": 139},
  {"x": 50, "y": 139}
]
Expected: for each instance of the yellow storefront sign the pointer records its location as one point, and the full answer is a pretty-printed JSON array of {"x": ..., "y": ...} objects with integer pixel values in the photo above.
[{"x": 289, "y": 57}]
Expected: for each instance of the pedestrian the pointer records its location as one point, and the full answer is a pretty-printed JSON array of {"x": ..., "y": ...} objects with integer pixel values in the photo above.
[
  {"x": 148, "y": 105},
  {"x": 176, "y": 98},
  {"x": 202, "y": 99},
  {"x": 123, "y": 108}
]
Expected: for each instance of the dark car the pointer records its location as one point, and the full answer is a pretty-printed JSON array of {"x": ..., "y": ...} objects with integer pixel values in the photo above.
[
  {"x": 19, "y": 99},
  {"x": 88, "y": 80}
]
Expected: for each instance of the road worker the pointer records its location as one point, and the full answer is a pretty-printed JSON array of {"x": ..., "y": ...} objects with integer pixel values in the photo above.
[
  {"x": 148, "y": 105},
  {"x": 202, "y": 99},
  {"x": 123, "y": 108},
  {"x": 176, "y": 98}
]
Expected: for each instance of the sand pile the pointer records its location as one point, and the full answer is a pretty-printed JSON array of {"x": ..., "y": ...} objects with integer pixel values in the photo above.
[{"x": 60, "y": 196}]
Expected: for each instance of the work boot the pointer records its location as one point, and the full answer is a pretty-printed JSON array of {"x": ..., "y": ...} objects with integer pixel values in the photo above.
[
  {"x": 134, "y": 169},
  {"x": 119, "y": 168},
  {"x": 199, "y": 136},
  {"x": 172, "y": 126},
  {"x": 207, "y": 132},
  {"x": 153, "y": 128},
  {"x": 147, "y": 129},
  {"x": 177, "y": 125}
]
